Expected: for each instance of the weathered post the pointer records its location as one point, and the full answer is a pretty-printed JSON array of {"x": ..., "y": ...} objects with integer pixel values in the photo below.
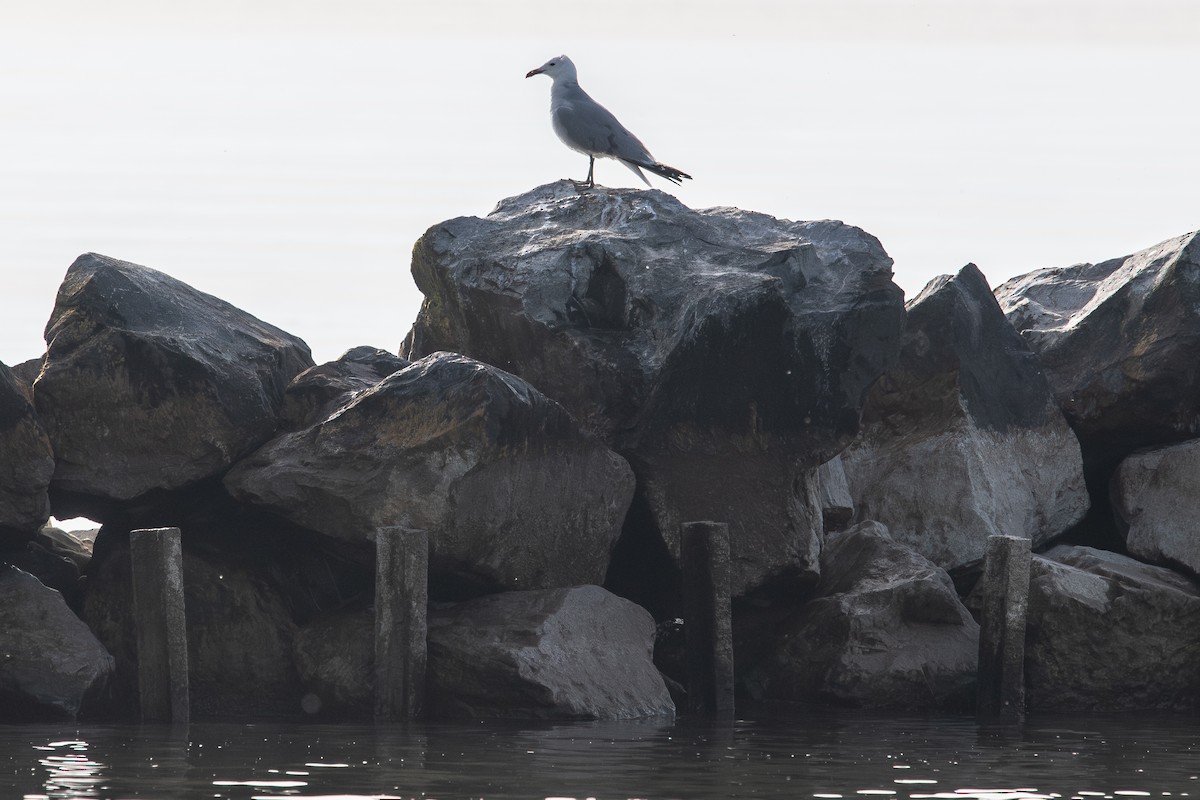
[
  {"x": 707, "y": 622},
  {"x": 1001, "y": 687},
  {"x": 156, "y": 555},
  {"x": 401, "y": 601}
]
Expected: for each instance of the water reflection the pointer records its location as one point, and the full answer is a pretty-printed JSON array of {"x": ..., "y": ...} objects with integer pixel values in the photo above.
[{"x": 823, "y": 756}]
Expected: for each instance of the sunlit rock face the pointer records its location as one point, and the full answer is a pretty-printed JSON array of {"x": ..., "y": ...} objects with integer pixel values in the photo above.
[
  {"x": 577, "y": 653},
  {"x": 1157, "y": 505},
  {"x": 149, "y": 384},
  {"x": 1106, "y": 632},
  {"x": 513, "y": 494},
  {"x": 1118, "y": 341},
  {"x": 725, "y": 353},
  {"x": 963, "y": 439}
]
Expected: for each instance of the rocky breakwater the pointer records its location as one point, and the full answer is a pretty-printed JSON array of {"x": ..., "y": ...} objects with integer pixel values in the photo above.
[
  {"x": 725, "y": 354},
  {"x": 588, "y": 371}
]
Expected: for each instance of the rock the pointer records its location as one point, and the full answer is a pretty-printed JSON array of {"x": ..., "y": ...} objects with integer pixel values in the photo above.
[
  {"x": 1106, "y": 632},
  {"x": 886, "y": 630},
  {"x": 149, "y": 384},
  {"x": 576, "y": 653},
  {"x": 319, "y": 391},
  {"x": 51, "y": 666},
  {"x": 499, "y": 475},
  {"x": 26, "y": 465},
  {"x": 26, "y": 374},
  {"x": 726, "y": 354},
  {"x": 58, "y": 559},
  {"x": 963, "y": 439},
  {"x": 1117, "y": 341},
  {"x": 335, "y": 657},
  {"x": 1157, "y": 506},
  {"x": 239, "y": 631}
]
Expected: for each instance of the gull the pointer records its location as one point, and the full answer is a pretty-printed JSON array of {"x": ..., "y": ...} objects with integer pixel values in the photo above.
[{"x": 587, "y": 127}]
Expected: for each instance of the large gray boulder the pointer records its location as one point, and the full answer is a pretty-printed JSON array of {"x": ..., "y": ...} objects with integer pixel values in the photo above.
[
  {"x": 150, "y": 384},
  {"x": 52, "y": 666},
  {"x": 576, "y": 653},
  {"x": 513, "y": 494},
  {"x": 963, "y": 438},
  {"x": 725, "y": 353},
  {"x": 1118, "y": 341},
  {"x": 1106, "y": 632},
  {"x": 1156, "y": 496},
  {"x": 886, "y": 630},
  {"x": 26, "y": 462}
]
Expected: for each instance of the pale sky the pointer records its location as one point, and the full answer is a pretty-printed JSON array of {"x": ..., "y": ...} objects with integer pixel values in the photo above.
[{"x": 285, "y": 156}]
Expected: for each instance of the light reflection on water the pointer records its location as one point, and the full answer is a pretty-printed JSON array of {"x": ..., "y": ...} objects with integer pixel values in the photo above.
[{"x": 823, "y": 756}]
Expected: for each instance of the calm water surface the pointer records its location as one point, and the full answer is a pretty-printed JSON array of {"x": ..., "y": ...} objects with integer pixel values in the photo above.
[{"x": 822, "y": 756}]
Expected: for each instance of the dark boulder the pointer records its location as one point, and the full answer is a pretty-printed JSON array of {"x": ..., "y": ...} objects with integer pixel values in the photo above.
[
  {"x": 149, "y": 384},
  {"x": 52, "y": 665},
  {"x": 239, "y": 630},
  {"x": 576, "y": 653},
  {"x": 1106, "y": 632},
  {"x": 26, "y": 463},
  {"x": 1118, "y": 342},
  {"x": 513, "y": 494},
  {"x": 725, "y": 353},
  {"x": 320, "y": 390},
  {"x": 1154, "y": 494},
  {"x": 886, "y": 630},
  {"x": 963, "y": 438}
]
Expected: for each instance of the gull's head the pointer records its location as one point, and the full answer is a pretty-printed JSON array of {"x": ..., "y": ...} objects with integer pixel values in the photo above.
[{"x": 557, "y": 67}]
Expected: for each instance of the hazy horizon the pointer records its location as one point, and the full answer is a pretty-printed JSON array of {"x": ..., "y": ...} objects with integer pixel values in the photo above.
[{"x": 286, "y": 156}]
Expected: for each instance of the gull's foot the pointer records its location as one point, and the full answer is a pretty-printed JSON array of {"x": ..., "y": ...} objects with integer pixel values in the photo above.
[{"x": 581, "y": 185}]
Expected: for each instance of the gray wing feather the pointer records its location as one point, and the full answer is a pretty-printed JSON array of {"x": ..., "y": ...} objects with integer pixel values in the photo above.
[{"x": 585, "y": 125}]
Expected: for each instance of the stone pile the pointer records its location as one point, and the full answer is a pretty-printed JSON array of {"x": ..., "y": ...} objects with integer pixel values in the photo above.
[{"x": 588, "y": 371}]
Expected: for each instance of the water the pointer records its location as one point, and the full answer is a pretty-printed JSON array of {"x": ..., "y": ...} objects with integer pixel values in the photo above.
[{"x": 821, "y": 756}]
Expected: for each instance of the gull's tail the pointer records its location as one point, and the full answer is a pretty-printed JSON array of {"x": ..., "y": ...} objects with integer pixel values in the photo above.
[{"x": 661, "y": 170}]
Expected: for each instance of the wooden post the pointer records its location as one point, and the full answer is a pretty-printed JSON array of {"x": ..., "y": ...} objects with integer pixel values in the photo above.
[
  {"x": 1001, "y": 687},
  {"x": 158, "y": 614},
  {"x": 401, "y": 603},
  {"x": 707, "y": 621}
]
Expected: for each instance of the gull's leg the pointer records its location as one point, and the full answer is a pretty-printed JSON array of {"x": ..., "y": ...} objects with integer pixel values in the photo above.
[{"x": 587, "y": 183}]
